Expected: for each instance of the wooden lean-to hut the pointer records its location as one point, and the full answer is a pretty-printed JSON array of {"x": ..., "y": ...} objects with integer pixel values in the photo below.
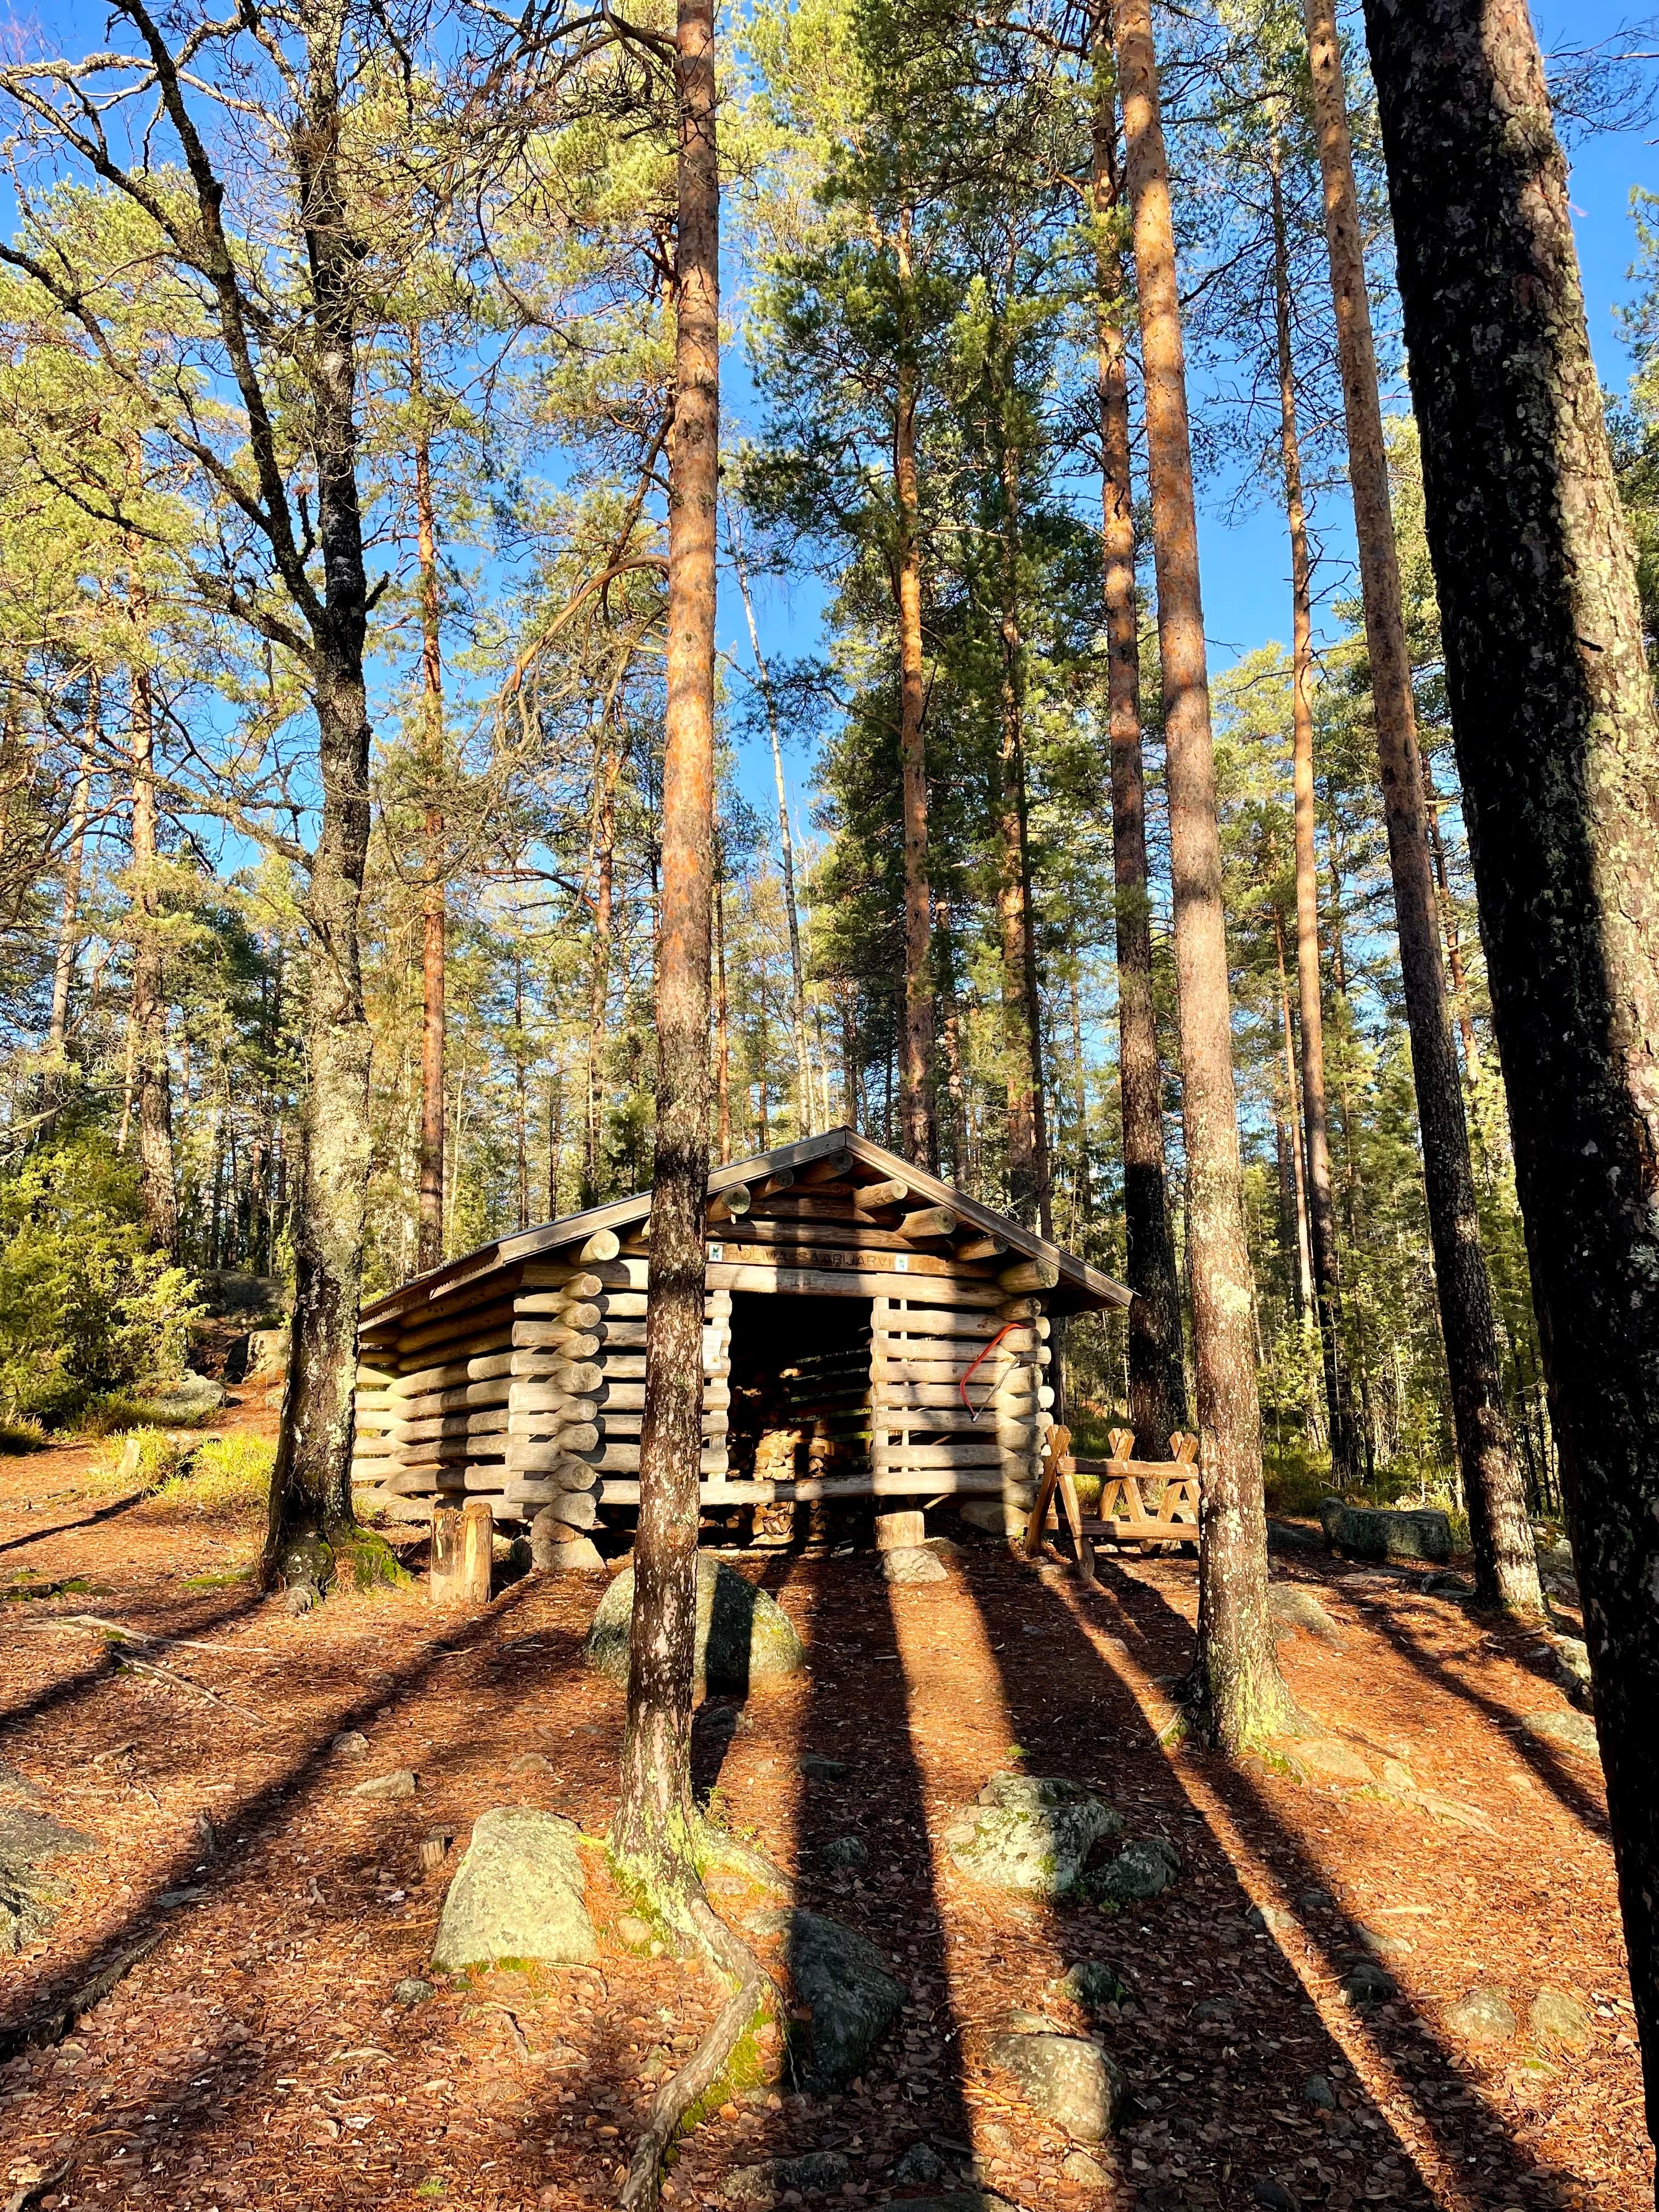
[{"x": 869, "y": 1333}]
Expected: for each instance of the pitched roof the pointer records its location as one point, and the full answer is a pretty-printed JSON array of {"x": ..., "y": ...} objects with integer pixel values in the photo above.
[{"x": 1080, "y": 1286}]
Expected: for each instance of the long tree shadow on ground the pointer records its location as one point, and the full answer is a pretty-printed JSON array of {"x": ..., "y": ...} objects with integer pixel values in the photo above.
[
  {"x": 861, "y": 1859},
  {"x": 1224, "y": 2037}
]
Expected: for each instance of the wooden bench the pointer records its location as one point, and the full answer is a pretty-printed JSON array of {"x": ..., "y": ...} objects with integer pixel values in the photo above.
[{"x": 1142, "y": 1502}]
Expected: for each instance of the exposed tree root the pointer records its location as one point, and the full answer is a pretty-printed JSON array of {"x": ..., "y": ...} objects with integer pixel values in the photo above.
[
  {"x": 756, "y": 1997},
  {"x": 40, "y": 2035}
]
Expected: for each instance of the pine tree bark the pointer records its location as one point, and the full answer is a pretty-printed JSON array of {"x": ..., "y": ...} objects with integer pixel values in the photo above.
[
  {"x": 607, "y": 769},
  {"x": 153, "y": 1079},
  {"x": 1558, "y": 751},
  {"x": 310, "y": 1516},
  {"x": 1240, "y": 1698},
  {"x": 1029, "y": 1198},
  {"x": 1316, "y": 1128},
  {"x": 434, "y": 901},
  {"x": 722, "y": 1021},
  {"x": 1158, "y": 1388},
  {"x": 1298, "y": 1185},
  {"x": 652, "y": 1835},
  {"x": 1506, "y": 1569},
  {"x": 69, "y": 916},
  {"x": 786, "y": 853},
  {"x": 917, "y": 1136}
]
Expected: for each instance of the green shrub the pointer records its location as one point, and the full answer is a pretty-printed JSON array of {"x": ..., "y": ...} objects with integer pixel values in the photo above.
[
  {"x": 18, "y": 1437},
  {"x": 85, "y": 1306}
]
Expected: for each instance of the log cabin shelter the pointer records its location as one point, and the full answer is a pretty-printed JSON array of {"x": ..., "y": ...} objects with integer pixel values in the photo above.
[{"x": 869, "y": 1333}]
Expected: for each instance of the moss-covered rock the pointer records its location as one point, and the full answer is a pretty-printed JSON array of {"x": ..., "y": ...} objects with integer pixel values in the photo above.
[
  {"x": 517, "y": 1895},
  {"x": 1368, "y": 1532},
  {"x": 1031, "y": 1833},
  {"x": 742, "y": 1636}
]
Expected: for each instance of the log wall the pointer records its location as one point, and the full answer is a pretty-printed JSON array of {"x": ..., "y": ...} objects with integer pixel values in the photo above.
[{"x": 526, "y": 1386}]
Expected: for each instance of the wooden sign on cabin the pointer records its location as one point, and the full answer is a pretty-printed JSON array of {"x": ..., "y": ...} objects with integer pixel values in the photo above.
[{"x": 868, "y": 1332}]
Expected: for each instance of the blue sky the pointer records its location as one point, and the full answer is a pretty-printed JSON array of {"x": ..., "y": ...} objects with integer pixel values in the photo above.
[{"x": 1246, "y": 568}]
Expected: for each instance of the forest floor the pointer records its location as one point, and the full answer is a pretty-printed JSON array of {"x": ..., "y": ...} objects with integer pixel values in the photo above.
[{"x": 258, "y": 2057}]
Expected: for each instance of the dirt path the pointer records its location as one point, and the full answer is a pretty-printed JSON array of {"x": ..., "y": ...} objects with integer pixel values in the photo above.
[{"x": 259, "y": 2055}]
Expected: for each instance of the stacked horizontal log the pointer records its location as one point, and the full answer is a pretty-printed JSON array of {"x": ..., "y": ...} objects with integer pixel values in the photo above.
[
  {"x": 529, "y": 1395},
  {"x": 925, "y": 1439}
]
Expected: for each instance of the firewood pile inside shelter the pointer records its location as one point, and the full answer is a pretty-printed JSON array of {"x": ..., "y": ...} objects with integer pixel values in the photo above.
[{"x": 869, "y": 1333}]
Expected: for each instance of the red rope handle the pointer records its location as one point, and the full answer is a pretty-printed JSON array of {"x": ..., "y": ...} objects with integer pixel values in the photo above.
[{"x": 967, "y": 1377}]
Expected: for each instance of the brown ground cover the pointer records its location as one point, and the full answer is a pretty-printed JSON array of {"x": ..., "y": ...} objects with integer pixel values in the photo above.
[{"x": 257, "y": 2055}]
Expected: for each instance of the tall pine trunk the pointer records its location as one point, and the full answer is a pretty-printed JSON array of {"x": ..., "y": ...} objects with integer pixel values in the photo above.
[
  {"x": 786, "y": 853},
  {"x": 69, "y": 915},
  {"x": 1315, "y": 1128},
  {"x": 917, "y": 1139},
  {"x": 311, "y": 1515},
  {"x": 1029, "y": 1197},
  {"x": 1158, "y": 1387},
  {"x": 434, "y": 914},
  {"x": 653, "y": 1831},
  {"x": 607, "y": 769},
  {"x": 152, "y": 1077},
  {"x": 1558, "y": 750},
  {"x": 1506, "y": 1568},
  {"x": 1240, "y": 1698}
]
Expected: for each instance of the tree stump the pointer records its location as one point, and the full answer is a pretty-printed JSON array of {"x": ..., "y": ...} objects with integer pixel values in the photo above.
[{"x": 463, "y": 1547}]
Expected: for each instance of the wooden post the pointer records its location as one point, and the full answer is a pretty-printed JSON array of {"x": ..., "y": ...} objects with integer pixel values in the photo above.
[
  {"x": 463, "y": 1548},
  {"x": 902, "y": 1531}
]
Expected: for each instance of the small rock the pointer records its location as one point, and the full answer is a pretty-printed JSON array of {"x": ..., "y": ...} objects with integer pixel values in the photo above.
[
  {"x": 633, "y": 1932},
  {"x": 1527, "y": 2080},
  {"x": 1482, "y": 2017},
  {"x": 1268, "y": 1920},
  {"x": 517, "y": 1895},
  {"x": 1368, "y": 1984},
  {"x": 1068, "y": 2080},
  {"x": 190, "y": 1398},
  {"x": 919, "y": 2168},
  {"x": 1031, "y": 1833},
  {"x": 817, "y": 1768},
  {"x": 1576, "y": 1730},
  {"x": 1382, "y": 1942},
  {"x": 1290, "y": 1606},
  {"x": 1318, "y": 2091},
  {"x": 1220, "y": 2009},
  {"x": 1555, "y": 2017},
  {"x": 742, "y": 1636},
  {"x": 1091, "y": 1985},
  {"x": 912, "y": 1564},
  {"x": 846, "y": 1852},
  {"x": 412, "y": 1991},
  {"x": 843, "y": 1980},
  {"x": 1274, "y": 2195},
  {"x": 1143, "y": 1868},
  {"x": 556, "y": 1548},
  {"x": 350, "y": 1745},
  {"x": 530, "y": 1762},
  {"x": 400, "y": 1782},
  {"x": 1572, "y": 1669},
  {"x": 1087, "y": 2172}
]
